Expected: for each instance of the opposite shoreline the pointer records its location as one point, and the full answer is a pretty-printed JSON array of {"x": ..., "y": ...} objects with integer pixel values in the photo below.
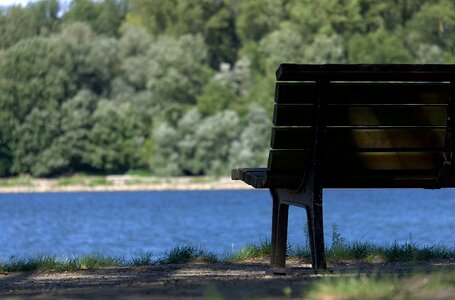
[{"x": 117, "y": 183}]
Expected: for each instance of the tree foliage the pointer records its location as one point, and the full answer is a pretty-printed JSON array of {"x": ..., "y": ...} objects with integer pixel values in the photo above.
[
  {"x": 17, "y": 23},
  {"x": 104, "y": 17},
  {"x": 180, "y": 86}
]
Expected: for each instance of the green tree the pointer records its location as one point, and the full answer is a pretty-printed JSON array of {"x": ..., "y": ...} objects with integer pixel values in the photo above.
[
  {"x": 380, "y": 47},
  {"x": 227, "y": 89},
  {"x": 214, "y": 137},
  {"x": 5, "y": 159},
  {"x": 34, "y": 73},
  {"x": 177, "y": 72},
  {"x": 238, "y": 77},
  {"x": 104, "y": 17},
  {"x": 8, "y": 122},
  {"x": 220, "y": 36},
  {"x": 32, "y": 141},
  {"x": 325, "y": 49},
  {"x": 76, "y": 122},
  {"x": 187, "y": 143},
  {"x": 252, "y": 146},
  {"x": 388, "y": 14},
  {"x": 325, "y": 16},
  {"x": 116, "y": 139},
  {"x": 101, "y": 65},
  {"x": 134, "y": 41},
  {"x": 434, "y": 24},
  {"x": 54, "y": 140},
  {"x": 17, "y": 23},
  {"x": 95, "y": 60},
  {"x": 164, "y": 159},
  {"x": 283, "y": 45},
  {"x": 255, "y": 19},
  {"x": 215, "y": 97},
  {"x": 213, "y": 20},
  {"x": 196, "y": 145},
  {"x": 430, "y": 54},
  {"x": 134, "y": 45},
  {"x": 35, "y": 78}
]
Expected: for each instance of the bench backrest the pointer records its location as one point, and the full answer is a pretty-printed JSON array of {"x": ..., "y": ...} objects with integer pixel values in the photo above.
[{"x": 383, "y": 125}]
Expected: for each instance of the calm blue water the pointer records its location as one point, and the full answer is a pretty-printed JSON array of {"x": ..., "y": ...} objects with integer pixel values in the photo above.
[{"x": 122, "y": 223}]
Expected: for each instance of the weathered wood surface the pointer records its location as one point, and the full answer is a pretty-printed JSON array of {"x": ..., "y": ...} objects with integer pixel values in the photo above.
[
  {"x": 361, "y": 72},
  {"x": 342, "y": 163},
  {"x": 364, "y": 93},
  {"x": 343, "y": 115},
  {"x": 355, "y": 139}
]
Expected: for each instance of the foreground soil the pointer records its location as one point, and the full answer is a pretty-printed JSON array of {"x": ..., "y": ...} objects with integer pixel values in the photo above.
[{"x": 244, "y": 280}]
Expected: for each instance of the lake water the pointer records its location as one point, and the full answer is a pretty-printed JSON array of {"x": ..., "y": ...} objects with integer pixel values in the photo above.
[{"x": 123, "y": 223}]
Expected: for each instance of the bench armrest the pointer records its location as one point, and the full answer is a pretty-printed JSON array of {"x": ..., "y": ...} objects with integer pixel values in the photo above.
[{"x": 261, "y": 178}]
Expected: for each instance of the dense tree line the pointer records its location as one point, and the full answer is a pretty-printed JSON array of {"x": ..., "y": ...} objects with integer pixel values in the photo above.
[{"x": 180, "y": 86}]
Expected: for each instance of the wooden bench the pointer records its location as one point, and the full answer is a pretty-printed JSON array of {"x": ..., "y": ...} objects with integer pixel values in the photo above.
[{"x": 353, "y": 126}]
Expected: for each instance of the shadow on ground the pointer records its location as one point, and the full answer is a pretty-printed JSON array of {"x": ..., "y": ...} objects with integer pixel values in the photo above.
[{"x": 188, "y": 281}]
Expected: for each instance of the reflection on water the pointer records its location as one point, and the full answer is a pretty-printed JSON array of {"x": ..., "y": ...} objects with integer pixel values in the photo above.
[{"x": 120, "y": 223}]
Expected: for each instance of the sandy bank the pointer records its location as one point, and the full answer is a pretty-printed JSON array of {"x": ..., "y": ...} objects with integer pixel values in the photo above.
[{"x": 122, "y": 183}]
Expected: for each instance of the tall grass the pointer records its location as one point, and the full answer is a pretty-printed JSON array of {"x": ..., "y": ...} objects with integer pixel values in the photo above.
[
  {"x": 180, "y": 254},
  {"x": 54, "y": 262},
  {"x": 142, "y": 259},
  {"x": 342, "y": 250},
  {"x": 339, "y": 250},
  {"x": 251, "y": 251},
  {"x": 184, "y": 254}
]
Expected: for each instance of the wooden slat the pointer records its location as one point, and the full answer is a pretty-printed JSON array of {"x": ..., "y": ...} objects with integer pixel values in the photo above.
[
  {"x": 396, "y": 179},
  {"x": 295, "y": 93},
  {"x": 362, "y": 72},
  {"x": 287, "y": 161},
  {"x": 388, "y": 180},
  {"x": 292, "y": 115},
  {"x": 293, "y": 161},
  {"x": 361, "y": 139},
  {"x": 364, "y": 93},
  {"x": 342, "y": 115}
]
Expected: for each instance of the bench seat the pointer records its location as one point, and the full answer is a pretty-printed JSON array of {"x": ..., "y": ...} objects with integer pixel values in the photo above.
[{"x": 262, "y": 178}]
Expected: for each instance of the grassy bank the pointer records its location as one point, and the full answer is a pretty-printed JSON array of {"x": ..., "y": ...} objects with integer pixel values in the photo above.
[
  {"x": 180, "y": 254},
  {"x": 360, "y": 252}
]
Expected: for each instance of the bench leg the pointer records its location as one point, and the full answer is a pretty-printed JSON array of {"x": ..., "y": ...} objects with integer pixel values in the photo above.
[
  {"x": 279, "y": 232},
  {"x": 276, "y": 203},
  {"x": 313, "y": 205},
  {"x": 316, "y": 233},
  {"x": 282, "y": 236}
]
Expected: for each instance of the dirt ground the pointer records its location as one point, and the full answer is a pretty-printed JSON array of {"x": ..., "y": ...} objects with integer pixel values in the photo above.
[{"x": 244, "y": 280}]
